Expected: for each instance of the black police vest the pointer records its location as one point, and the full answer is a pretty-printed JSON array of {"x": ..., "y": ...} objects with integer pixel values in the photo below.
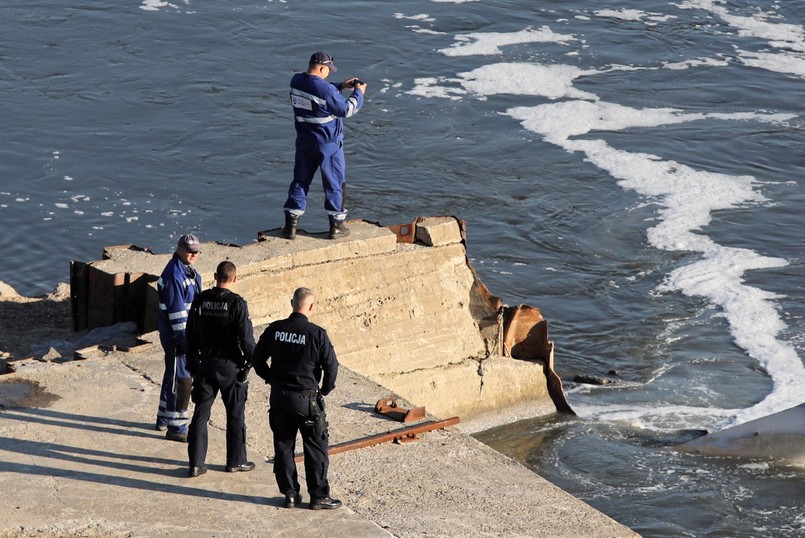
[{"x": 216, "y": 327}]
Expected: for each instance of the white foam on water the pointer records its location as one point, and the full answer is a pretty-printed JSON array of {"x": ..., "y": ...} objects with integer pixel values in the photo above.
[
  {"x": 781, "y": 63},
  {"x": 551, "y": 81},
  {"x": 434, "y": 87},
  {"x": 153, "y": 5},
  {"x": 781, "y": 35},
  {"x": 658, "y": 415},
  {"x": 687, "y": 197},
  {"x": 632, "y": 15},
  {"x": 419, "y": 17},
  {"x": 156, "y": 5},
  {"x": 489, "y": 43},
  {"x": 788, "y": 38}
]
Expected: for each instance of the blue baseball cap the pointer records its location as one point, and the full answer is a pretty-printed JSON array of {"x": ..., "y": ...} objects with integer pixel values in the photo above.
[{"x": 323, "y": 58}]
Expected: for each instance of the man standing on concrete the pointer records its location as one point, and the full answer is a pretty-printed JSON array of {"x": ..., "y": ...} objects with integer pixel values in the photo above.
[
  {"x": 301, "y": 356},
  {"x": 220, "y": 342},
  {"x": 318, "y": 109},
  {"x": 177, "y": 286}
]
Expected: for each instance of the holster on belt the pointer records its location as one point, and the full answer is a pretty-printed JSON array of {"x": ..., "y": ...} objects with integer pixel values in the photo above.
[
  {"x": 316, "y": 421},
  {"x": 243, "y": 372}
]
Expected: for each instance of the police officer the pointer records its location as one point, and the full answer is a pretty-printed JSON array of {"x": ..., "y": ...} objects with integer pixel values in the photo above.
[
  {"x": 220, "y": 342},
  {"x": 177, "y": 286},
  {"x": 301, "y": 356}
]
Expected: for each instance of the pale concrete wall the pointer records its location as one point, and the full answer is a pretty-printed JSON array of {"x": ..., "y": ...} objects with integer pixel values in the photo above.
[{"x": 404, "y": 315}]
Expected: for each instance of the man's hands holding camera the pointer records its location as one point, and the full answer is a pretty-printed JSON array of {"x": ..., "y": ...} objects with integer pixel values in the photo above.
[{"x": 355, "y": 83}]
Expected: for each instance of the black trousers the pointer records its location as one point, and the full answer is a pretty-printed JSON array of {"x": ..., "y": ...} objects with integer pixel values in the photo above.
[
  {"x": 213, "y": 376},
  {"x": 287, "y": 414}
]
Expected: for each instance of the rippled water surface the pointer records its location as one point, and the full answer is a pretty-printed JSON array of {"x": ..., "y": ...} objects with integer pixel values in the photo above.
[{"x": 636, "y": 171}]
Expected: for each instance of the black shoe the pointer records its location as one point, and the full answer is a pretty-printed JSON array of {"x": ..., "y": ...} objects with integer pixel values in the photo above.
[
  {"x": 176, "y": 436},
  {"x": 242, "y": 468},
  {"x": 324, "y": 503},
  {"x": 160, "y": 427},
  {"x": 338, "y": 228},
  {"x": 292, "y": 500},
  {"x": 291, "y": 222},
  {"x": 196, "y": 471}
]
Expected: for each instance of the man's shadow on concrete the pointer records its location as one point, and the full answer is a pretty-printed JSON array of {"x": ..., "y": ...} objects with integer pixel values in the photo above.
[
  {"x": 71, "y": 420},
  {"x": 83, "y": 455},
  {"x": 111, "y": 460}
]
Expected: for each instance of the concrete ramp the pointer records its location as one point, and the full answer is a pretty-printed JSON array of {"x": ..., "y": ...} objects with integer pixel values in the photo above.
[{"x": 402, "y": 305}]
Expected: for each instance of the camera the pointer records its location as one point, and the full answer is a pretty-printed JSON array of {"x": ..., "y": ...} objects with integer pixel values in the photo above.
[{"x": 356, "y": 82}]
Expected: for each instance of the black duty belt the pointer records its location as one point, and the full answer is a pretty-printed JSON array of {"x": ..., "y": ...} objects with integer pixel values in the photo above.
[
  {"x": 219, "y": 357},
  {"x": 306, "y": 392}
]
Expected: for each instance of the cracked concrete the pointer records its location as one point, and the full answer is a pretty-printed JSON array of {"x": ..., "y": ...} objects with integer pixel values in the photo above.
[
  {"x": 79, "y": 457},
  {"x": 412, "y": 317}
]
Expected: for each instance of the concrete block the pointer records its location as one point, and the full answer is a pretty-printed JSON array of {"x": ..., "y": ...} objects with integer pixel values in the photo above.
[
  {"x": 405, "y": 315},
  {"x": 473, "y": 387},
  {"x": 438, "y": 231}
]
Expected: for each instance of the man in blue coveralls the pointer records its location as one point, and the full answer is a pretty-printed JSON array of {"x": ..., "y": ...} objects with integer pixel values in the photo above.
[
  {"x": 177, "y": 286},
  {"x": 319, "y": 110}
]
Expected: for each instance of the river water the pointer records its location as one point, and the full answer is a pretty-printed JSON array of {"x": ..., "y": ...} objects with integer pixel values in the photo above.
[{"x": 636, "y": 170}]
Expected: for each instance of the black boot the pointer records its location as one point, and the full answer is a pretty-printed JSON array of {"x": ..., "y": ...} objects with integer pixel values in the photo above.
[
  {"x": 338, "y": 228},
  {"x": 291, "y": 222}
]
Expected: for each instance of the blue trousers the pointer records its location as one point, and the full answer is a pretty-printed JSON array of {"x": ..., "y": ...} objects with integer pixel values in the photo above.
[
  {"x": 213, "y": 376},
  {"x": 174, "y": 396},
  {"x": 329, "y": 158}
]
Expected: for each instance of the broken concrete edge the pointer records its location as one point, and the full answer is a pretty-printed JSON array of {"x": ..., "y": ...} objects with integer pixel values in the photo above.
[
  {"x": 437, "y": 245},
  {"x": 102, "y": 292},
  {"x": 430, "y": 231}
]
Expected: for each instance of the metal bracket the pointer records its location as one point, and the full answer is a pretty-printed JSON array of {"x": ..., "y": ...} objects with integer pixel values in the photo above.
[{"x": 388, "y": 407}]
